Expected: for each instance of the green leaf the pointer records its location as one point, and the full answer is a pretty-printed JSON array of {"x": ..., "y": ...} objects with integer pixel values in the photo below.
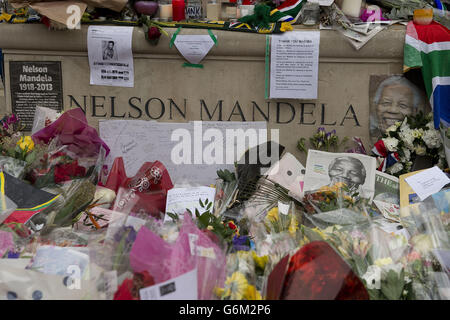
[
  {"x": 174, "y": 216},
  {"x": 392, "y": 286},
  {"x": 374, "y": 294},
  {"x": 201, "y": 203},
  {"x": 197, "y": 213},
  {"x": 209, "y": 206}
]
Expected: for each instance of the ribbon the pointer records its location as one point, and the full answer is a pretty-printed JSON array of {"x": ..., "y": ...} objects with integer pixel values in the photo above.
[
  {"x": 172, "y": 41},
  {"x": 192, "y": 65},
  {"x": 389, "y": 158}
]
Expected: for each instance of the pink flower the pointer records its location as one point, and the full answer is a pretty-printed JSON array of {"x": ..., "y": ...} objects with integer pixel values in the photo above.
[{"x": 413, "y": 255}]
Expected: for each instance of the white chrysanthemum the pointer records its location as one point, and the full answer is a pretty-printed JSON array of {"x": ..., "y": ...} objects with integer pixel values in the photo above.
[
  {"x": 407, "y": 137},
  {"x": 406, "y": 155},
  {"x": 420, "y": 150},
  {"x": 432, "y": 139},
  {"x": 391, "y": 144},
  {"x": 430, "y": 125},
  {"x": 397, "y": 167}
]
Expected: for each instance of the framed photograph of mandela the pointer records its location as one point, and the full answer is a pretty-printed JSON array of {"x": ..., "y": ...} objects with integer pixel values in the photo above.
[{"x": 391, "y": 99}]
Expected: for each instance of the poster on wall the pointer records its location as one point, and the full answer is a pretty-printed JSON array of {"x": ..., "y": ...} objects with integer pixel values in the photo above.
[
  {"x": 111, "y": 56},
  {"x": 294, "y": 65},
  {"x": 35, "y": 83},
  {"x": 392, "y": 98}
]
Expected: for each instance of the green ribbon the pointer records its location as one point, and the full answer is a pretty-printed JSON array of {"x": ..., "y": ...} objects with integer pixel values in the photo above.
[
  {"x": 213, "y": 37},
  {"x": 174, "y": 37},
  {"x": 267, "y": 74},
  {"x": 192, "y": 65}
]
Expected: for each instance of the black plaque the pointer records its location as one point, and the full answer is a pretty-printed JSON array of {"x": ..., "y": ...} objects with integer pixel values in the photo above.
[{"x": 35, "y": 83}]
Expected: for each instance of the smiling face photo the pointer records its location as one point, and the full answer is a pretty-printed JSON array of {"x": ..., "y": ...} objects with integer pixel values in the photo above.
[
  {"x": 348, "y": 170},
  {"x": 392, "y": 98}
]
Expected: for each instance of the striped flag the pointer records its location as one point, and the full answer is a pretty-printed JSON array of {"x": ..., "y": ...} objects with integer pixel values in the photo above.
[{"x": 428, "y": 47}]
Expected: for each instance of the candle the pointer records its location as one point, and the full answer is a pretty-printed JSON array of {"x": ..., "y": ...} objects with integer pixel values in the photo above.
[
  {"x": 165, "y": 12},
  {"x": 351, "y": 8},
  {"x": 213, "y": 11},
  {"x": 178, "y": 7}
]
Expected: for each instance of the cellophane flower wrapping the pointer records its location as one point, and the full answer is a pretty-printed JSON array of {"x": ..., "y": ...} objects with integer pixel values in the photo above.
[
  {"x": 428, "y": 223},
  {"x": 192, "y": 248},
  {"x": 111, "y": 255}
]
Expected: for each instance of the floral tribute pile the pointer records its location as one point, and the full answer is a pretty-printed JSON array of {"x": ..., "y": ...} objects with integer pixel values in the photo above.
[{"x": 65, "y": 225}]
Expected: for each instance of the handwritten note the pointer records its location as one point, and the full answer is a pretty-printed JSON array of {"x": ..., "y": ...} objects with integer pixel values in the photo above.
[
  {"x": 139, "y": 141},
  {"x": 180, "y": 199},
  {"x": 427, "y": 182}
]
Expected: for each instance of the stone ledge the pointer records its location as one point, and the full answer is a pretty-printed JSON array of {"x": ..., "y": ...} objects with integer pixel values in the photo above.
[{"x": 388, "y": 44}]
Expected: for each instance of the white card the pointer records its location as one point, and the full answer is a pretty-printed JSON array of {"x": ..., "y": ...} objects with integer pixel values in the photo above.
[
  {"x": 180, "y": 199},
  {"x": 428, "y": 182},
  {"x": 183, "y": 287},
  {"x": 194, "y": 47}
]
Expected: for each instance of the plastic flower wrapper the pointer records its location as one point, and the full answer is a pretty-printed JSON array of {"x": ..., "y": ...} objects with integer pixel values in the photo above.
[
  {"x": 193, "y": 248},
  {"x": 13, "y": 166},
  {"x": 428, "y": 259},
  {"x": 76, "y": 196},
  {"x": 110, "y": 254},
  {"x": 73, "y": 130},
  {"x": 335, "y": 198},
  {"x": 245, "y": 276},
  {"x": 226, "y": 188},
  {"x": 151, "y": 182}
]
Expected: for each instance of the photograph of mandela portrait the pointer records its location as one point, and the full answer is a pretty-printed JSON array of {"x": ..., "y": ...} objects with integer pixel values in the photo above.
[
  {"x": 109, "y": 51},
  {"x": 392, "y": 98},
  {"x": 355, "y": 170}
]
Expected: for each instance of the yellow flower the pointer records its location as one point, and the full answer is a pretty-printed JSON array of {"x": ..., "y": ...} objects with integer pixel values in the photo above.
[
  {"x": 251, "y": 293},
  {"x": 286, "y": 26},
  {"x": 210, "y": 228},
  {"x": 349, "y": 199},
  {"x": 272, "y": 215},
  {"x": 26, "y": 143},
  {"x": 237, "y": 284},
  {"x": 221, "y": 292},
  {"x": 318, "y": 231},
  {"x": 293, "y": 226},
  {"x": 383, "y": 262},
  {"x": 260, "y": 261}
]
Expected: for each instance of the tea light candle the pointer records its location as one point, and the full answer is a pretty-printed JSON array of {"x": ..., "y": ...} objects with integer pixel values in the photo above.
[
  {"x": 351, "y": 8},
  {"x": 165, "y": 12}
]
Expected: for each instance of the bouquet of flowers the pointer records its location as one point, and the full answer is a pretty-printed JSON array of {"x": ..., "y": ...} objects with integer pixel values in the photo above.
[
  {"x": 405, "y": 141},
  {"x": 322, "y": 140}
]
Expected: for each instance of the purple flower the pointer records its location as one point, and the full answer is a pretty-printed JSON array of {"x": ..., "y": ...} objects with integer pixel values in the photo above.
[
  {"x": 320, "y": 129},
  {"x": 241, "y": 243},
  {"x": 126, "y": 232},
  {"x": 12, "y": 119},
  {"x": 5, "y": 125}
]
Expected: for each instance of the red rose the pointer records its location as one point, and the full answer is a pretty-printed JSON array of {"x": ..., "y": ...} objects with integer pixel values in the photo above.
[{"x": 153, "y": 33}]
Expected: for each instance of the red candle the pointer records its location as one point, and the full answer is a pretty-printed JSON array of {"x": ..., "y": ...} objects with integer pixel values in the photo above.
[{"x": 178, "y": 7}]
